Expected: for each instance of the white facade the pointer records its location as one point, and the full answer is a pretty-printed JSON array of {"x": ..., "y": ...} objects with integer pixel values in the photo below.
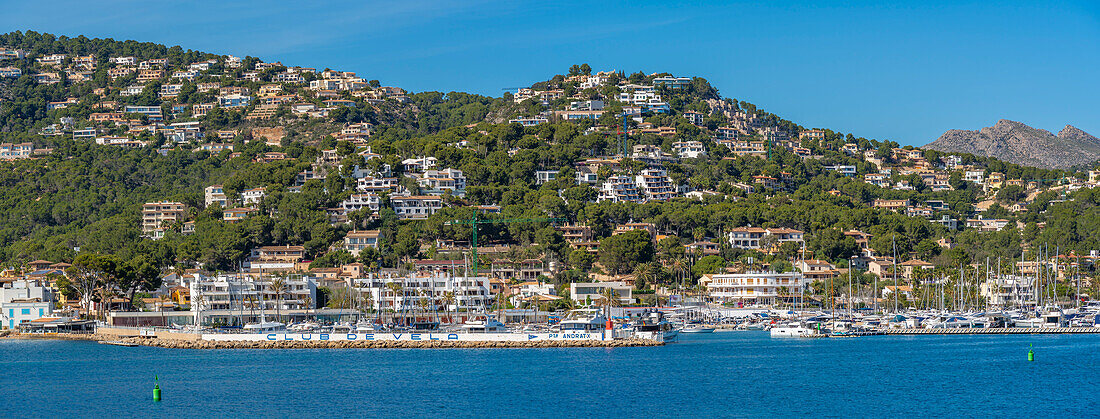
[
  {"x": 253, "y": 196},
  {"x": 23, "y": 301},
  {"x": 415, "y": 207},
  {"x": 357, "y": 202},
  {"x": 438, "y": 181},
  {"x": 215, "y": 195},
  {"x": 248, "y": 294},
  {"x": 655, "y": 185},
  {"x": 620, "y": 189},
  {"x": 470, "y": 294},
  {"x": 753, "y": 287},
  {"x": 543, "y": 176},
  {"x": 582, "y": 292},
  {"x": 689, "y": 149}
]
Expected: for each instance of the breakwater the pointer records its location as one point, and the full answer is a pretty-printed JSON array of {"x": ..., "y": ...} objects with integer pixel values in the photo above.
[
  {"x": 385, "y": 344},
  {"x": 339, "y": 344},
  {"x": 996, "y": 331}
]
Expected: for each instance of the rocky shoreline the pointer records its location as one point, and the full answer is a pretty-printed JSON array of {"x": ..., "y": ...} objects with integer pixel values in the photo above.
[{"x": 378, "y": 344}]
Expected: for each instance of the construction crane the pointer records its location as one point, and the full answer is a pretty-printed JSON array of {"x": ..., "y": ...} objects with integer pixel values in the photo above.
[{"x": 474, "y": 221}]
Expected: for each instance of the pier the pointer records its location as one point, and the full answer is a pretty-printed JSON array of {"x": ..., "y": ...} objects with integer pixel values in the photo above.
[{"x": 996, "y": 331}]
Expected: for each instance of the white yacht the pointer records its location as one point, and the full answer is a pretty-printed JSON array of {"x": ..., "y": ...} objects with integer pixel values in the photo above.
[
  {"x": 489, "y": 325},
  {"x": 304, "y": 327},
  {"x": 583, "y": 320},
  {"x": 791, "y": 330},
  {"x": 654, "y": 326},
  {"x": 696, "y": 328},
  {"x": 364, "y": 326},
  {"x": 342, "y": 327},
  {"x": 265, "y": 327}
]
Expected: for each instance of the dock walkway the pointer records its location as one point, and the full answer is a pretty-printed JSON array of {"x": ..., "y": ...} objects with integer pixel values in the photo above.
[{"x": 996, "y": 331}]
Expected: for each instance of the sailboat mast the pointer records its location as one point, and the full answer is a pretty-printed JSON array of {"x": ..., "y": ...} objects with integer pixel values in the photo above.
[{"x": 897, "y": 290}]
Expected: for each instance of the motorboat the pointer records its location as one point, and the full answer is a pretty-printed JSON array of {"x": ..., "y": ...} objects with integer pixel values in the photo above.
[
  {"x": 489, "y": 325},
  {"x": 753, "y": 326},
  {"x": 697, "y": 328},
  {"x": 654, "y": 326},
  {"x": 304, "y": 327},
  {"x": 342, "y": 327},
  {"x": 585, "y": 320},
  {"x": 1050, "y": 318},
  {"x": 367, "y": 327},
  {"x": 265, "y": 327},
  {"x": 791, "y": 330},
  {"x": 955, "y": 322}
]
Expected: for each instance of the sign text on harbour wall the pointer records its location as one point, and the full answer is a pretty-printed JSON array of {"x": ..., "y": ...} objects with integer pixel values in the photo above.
[{"x": 480, "y": 337}]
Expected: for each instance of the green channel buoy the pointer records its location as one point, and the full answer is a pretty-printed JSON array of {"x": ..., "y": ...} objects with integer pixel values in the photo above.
[
  {"x": 156, "y": 389},
  {"x": 1030, "y": 353}
]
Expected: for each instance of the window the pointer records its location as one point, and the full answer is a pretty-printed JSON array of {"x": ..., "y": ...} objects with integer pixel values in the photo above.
[{"x": 26, "y": 312}]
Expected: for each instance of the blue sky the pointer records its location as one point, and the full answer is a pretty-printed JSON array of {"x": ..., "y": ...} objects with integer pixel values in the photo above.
[{"x": 899, "y": 71}]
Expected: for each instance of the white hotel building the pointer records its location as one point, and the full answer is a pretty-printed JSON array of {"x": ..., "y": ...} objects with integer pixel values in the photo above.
[
  {"x": 471, "y": 294},
  {"x": 752, "y": 288}
]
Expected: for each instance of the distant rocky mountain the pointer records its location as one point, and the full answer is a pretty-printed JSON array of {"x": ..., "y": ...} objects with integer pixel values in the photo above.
[{"x": 1018, "y": 143}]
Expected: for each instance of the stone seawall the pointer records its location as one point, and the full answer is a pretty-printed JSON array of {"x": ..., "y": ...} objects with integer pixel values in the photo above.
[
  {"x": 190, "y": 342},
  {"x": 383, "y": 344}
]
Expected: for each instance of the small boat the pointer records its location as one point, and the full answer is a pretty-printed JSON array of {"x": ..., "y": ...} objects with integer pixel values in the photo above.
[
  {"x": 791, "y": 330},
  {"x": 306, "y": 327},
  {"x": 367, "y": 327},
  {"x": 342, "y": 327},
  {"x": 654, "y": 326},
  {"x": 697, "y": 328},
  {"x": 265, "y": 327},
  {"x": 489, "y": 325}
]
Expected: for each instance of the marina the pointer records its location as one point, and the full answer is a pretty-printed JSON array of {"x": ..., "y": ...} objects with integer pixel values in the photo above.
[{"x": 939, "y": 376}]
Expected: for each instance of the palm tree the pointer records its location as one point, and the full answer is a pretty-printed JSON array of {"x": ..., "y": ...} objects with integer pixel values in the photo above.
[
  {"x": 307, "y": 302},
  {"x": 681, "y": 269},
  {"x": 646, "y": 273},
  {"x": 609, "y": 298},
  {"x": 423, "y": 303},
  {"x": 568, "y": 303},
  {"x": 368, "y": 300},
  {"x": 448, "y": 300},
  {"x": 278, "y": 286},
  {"x": 394, "y": 287}
]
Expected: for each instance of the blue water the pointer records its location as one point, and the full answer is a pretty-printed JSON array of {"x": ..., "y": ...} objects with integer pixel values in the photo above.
[{"x": 734, "y": 374}]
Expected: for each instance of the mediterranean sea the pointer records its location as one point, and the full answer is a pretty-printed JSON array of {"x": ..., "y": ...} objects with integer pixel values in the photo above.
[{"x": 730, "y": 374}]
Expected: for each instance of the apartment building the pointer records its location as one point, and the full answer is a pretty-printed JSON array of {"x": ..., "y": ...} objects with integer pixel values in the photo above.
[
  {"x": 356, "y": 241},
  {"x": 689, "y": 149},
  {"x": 415, "y": 207},
  {"x": 655, "y": 185},
  {"x": 471, "y": 294},
  {"x": 436, "y": 182},
  {"x": 355, "y": 202},
  {"x": 215, "y": 195},
  {"x": 753, "y": 288},
  {"x": 233, "y": 215},
  {"x": 620, "y": 188},
  {"x": 752, "y": 237},
  {"x": 229, "y": 296},
  {"x": 373, "y": 184},
  {"x": 275, "y": 258},
  {"x": 9, "y": 151},
  {"x": 155, "y": 214}
]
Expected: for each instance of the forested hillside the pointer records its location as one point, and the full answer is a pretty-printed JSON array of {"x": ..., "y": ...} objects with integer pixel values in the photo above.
[{"x": 80, "y": 196}]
